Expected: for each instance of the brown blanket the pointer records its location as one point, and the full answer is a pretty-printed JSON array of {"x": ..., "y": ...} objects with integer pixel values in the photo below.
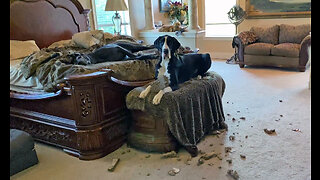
[{"x": 190, "y": 112}]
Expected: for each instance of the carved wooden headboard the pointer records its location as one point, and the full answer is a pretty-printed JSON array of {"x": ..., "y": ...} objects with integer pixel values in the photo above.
[{"x": 47, "y": 21}]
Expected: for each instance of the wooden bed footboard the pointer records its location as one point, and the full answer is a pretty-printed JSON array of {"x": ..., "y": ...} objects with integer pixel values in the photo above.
[{"x": 88, "y": 118}]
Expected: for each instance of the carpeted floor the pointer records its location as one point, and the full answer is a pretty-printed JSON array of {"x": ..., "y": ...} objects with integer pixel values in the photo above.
[{"x": 266, "y": 98}]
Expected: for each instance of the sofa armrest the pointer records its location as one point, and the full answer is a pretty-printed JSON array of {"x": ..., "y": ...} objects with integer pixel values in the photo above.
[
  {"x": 241, "y": 40},
  {"x": 237, "y": 43},
  {"x": 303, "y": 54}
]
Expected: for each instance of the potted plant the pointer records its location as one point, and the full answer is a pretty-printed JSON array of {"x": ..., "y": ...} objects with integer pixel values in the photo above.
[{"x": 178, "y": 12}]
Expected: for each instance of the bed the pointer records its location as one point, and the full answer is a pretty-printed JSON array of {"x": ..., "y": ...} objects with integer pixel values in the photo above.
[{"x": 87, "y": 116}]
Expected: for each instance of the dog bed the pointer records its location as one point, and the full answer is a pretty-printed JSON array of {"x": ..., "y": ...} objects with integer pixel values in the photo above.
[
  {"x": 22, "y": 152},
  {"x": 183, "y": 117}
]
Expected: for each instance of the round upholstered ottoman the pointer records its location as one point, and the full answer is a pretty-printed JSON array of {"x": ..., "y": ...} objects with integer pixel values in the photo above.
[
  {"x": 22, "y": 152},
  {"x": 182, "y": 118}
]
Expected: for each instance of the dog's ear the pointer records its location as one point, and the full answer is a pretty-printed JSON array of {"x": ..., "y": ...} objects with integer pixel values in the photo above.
[
  {"x": 173, "y": 43},
  {"x": 158, "y": 43}
]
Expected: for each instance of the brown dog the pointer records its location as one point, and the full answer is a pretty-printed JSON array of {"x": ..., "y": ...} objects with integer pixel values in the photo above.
[{"x": 171, "y": 28}]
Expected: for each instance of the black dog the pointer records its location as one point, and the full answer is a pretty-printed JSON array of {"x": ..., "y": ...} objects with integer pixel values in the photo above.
[
  {"x": 177, "y": 69},
  {"x": 113, "y": 52}
]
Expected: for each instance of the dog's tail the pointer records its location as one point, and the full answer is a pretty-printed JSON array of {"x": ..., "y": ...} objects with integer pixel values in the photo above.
[{"x": 205, "y": 65}]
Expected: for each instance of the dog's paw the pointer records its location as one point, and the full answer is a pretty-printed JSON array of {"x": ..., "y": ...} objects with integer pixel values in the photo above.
[
  {"x": 145, "y": 92},
  {"x": 157, "y": 98},
  {"x": 207, "y": 77},
  {"x": 199, "y": 77}
]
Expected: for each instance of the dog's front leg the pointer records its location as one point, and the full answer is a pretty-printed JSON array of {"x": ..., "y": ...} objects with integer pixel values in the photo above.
[
  {"x": 157, "y": 98},
  {"x": 145, "y": 92}
]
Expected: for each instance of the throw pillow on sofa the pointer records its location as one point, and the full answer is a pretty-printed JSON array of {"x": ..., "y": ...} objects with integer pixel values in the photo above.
[
  {"x": 293, "y": 34},
  {"x": 267, "y": 34}
]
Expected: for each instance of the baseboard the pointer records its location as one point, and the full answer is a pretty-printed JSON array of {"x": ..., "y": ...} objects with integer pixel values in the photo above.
[{"x": 219, "y": 55}]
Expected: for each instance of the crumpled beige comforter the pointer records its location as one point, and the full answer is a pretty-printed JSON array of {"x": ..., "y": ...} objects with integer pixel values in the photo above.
[{"x": 51, "y": 65}]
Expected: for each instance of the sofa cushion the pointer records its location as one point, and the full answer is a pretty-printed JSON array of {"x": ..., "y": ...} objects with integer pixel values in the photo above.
[
  {"x": 267, "y": 34},
  {"x": 258, "y": 49},
  {"x": 293, "y": 34},
  {"x": 286, "y": 49}
]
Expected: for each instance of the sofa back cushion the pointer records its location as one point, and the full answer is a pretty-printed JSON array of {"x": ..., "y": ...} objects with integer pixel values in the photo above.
[
  {"x": 293, "y": 34},
  {"x": 267, "y": 34}
]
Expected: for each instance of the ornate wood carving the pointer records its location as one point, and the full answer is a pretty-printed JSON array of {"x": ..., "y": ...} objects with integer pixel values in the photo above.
[
  {"x": 44, "y": 132},
  {"x": 86, "y": 104}
]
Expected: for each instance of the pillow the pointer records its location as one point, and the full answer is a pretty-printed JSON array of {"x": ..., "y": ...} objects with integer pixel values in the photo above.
[
  {"x": 108, "y": 35},
  {"x": 87, "y": 39},
  {"x": 247, "y": 37},
  {"x": 267, "y": 34},
  {"x": 21, "y": 49},
  {"x": 61, "y": 43},
  {"x": 293, "y": 34}
]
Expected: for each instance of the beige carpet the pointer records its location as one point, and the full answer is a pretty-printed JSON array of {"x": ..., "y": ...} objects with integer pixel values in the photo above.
[{"x": 269, "y": 98}]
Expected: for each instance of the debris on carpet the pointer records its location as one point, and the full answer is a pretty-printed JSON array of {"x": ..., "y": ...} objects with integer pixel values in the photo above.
[
  {"x": 296, "y": 130},
  {"x": 233, "y": 174},
  {"x": 242, "y": 156},
  {"x": 174, "y": 171},
  {"x": 208, "y": 156},
  {"x": 200, "y": 161},
  {"x": 227, "y": 149},
  {"x": 113, "y": 164},
  {"x": 229, "y": 161},
  {"x": 170, "y": 154},
  {"x": 231, "y": 138},
  {"x": 187, "y": 162},
  {"x": 269, "y": 131}
]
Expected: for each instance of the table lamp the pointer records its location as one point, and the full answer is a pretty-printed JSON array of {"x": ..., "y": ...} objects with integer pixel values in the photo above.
[{"x": 116, "y": 5}]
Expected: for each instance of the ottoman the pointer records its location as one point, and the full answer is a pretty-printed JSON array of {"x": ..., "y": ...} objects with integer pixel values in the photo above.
[
  {"x": 182, "y": 118},
  {"x": 22, "y": 152}
]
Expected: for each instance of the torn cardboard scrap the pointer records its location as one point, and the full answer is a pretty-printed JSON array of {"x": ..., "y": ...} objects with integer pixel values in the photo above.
[
  {"x": 114, "y": 164},
  {"x": 269, "y": 131},
  {"x": 170, "y": 154},
  {"x": 174, "y": 171},
  {"x": 233, "y": 174}
]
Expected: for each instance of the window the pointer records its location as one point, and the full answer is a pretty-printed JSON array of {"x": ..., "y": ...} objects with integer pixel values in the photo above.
[
  {"x": 103, "y": 19},
  {"x": 217, "y": 22}
]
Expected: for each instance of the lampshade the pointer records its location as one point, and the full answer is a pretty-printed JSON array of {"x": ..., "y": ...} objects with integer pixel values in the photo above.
[{"x": 116, "y": 5}]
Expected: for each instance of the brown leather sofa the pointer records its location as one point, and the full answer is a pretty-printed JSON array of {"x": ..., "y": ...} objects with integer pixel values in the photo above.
[{"x": 278, "y": 46}]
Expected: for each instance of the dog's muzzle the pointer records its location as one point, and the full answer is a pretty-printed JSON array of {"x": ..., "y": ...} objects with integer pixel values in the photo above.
[{"x": 165, "y": 54}]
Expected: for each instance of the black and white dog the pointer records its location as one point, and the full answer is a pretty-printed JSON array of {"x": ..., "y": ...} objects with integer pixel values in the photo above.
[
  {"x": 116, "y": 51},
  {"x": 176, "y": 68}
]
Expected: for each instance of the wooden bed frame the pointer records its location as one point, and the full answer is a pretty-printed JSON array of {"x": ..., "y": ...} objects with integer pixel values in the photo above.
[{"x": 87, "y": 117}]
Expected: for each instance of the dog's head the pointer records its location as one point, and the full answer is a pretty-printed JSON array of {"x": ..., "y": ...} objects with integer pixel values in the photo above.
[{"x": 167, "y": 45}]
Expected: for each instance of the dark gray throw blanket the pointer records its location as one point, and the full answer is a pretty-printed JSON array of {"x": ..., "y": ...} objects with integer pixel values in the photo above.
[{"x": 190, "y": 112}]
